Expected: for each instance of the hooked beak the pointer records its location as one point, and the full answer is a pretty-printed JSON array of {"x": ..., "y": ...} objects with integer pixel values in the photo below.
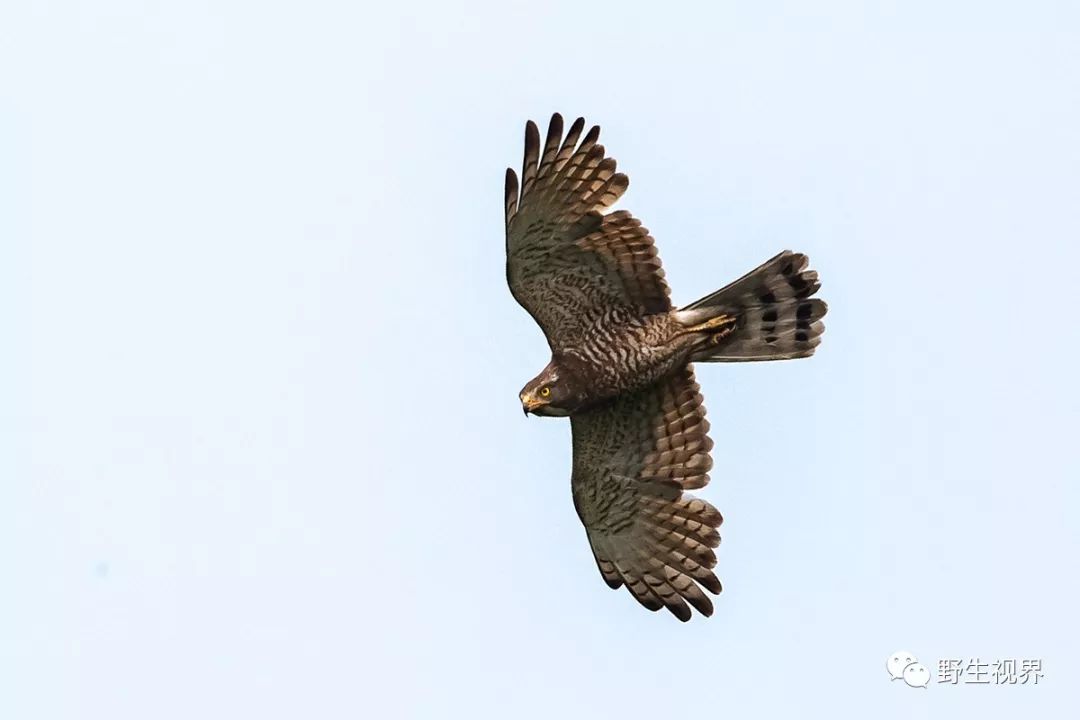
[{"x": 530, "y": 403}]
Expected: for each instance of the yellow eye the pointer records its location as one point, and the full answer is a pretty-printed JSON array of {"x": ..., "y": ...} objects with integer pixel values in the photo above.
[{"x": 545, "y": 391}]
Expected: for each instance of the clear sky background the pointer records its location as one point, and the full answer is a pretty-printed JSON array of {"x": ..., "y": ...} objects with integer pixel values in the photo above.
[{"x": 262, "y": 449}]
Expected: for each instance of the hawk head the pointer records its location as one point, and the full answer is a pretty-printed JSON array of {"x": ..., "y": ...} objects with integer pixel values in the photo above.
[{"x": 553, "y": 393}]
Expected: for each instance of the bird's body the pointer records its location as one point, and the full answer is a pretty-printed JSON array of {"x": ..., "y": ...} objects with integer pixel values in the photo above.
[
  {"x": 621, "y": 352},
  {"x": 620, "y": 364}
]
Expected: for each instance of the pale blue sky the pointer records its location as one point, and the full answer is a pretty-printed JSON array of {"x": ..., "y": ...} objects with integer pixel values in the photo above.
[{"x": 262, "y": 449}]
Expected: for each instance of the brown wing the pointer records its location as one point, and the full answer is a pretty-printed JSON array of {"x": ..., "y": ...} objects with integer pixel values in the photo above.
[
  {"x": 632, "y": 462},
  {"x": 565, "y": 260}
]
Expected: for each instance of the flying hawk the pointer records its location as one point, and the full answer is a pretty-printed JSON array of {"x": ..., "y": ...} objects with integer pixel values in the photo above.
[{"x": 621, "y": 362}]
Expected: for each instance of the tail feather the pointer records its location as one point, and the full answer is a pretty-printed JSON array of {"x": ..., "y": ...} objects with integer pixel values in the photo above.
[{"x": 777, "y": 317}]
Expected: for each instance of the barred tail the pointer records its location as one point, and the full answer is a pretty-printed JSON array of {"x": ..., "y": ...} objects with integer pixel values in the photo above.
[{"x": 776, "y": 317}]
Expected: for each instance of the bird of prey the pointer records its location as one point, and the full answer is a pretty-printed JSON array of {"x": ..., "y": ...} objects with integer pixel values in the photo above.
[{"x": 621, "y": 362}]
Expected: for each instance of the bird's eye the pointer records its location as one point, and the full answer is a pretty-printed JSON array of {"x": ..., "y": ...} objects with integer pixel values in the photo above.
[{"x": 545, "y": 391}]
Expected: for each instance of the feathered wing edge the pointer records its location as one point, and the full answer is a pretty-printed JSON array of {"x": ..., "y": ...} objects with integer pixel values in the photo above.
[
  {"x": 645, "y": 532},
  {"x": 564, "y": 181},
  {"x": 674, "y": 558},
  {"x": 558, "y": 231}
]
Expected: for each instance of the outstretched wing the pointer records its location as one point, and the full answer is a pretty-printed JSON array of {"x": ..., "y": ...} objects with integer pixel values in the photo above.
[
  {"x": 566, "y": 261},
  {"x": 632, "y": 461}
]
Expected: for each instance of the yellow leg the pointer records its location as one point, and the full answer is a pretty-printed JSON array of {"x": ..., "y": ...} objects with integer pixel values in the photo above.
[
  {"x": 718, "y": 328},
  {"x": 720, "y": 322}
]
